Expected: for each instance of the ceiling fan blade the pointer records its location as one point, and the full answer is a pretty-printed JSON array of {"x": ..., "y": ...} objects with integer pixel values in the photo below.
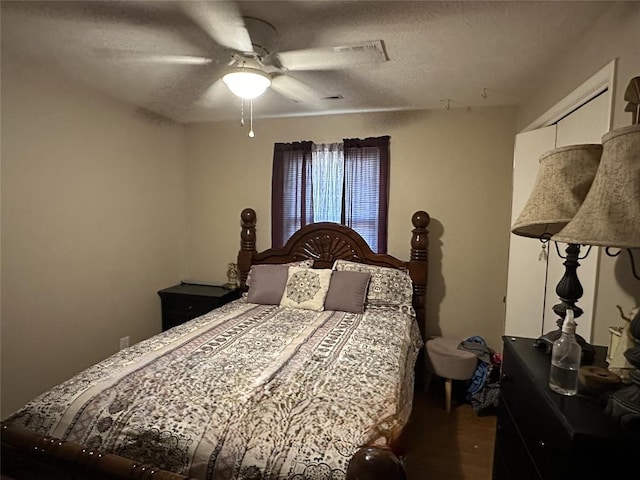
[
  {"x": 294, "y": 89},
  {"x": 176, "y": 98},
  {"x": 222, "y": 21},
  {"x": 214, "y": 95},
  {"x": 331, "y": 58},
  {"x": 149, "y": 57}
]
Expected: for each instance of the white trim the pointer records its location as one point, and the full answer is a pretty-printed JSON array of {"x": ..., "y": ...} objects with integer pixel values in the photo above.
[{"x": 603, "y": 80}]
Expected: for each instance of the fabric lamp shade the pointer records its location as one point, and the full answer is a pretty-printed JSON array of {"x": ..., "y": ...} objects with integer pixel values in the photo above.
[
  {"x": 610, "y": 214},
  {"x": 564, "y": 177}
]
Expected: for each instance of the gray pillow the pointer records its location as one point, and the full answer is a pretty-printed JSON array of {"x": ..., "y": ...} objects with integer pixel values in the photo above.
[
  {"x": 347, "y": 291},
  {"x": 308, "y": 263},
  {"x": 388, "y": 286},
  {"x": 267, "y": 284}
]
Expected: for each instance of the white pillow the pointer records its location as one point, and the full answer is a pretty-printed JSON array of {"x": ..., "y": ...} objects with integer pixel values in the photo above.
[{"x": 306, "y": 288}]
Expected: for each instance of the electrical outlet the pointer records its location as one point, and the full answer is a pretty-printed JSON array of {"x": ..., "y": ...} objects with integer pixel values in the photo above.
[{"x": 124, "y": 342}]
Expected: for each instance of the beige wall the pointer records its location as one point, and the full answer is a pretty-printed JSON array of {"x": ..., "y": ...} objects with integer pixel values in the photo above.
[
  {"x": 615, "y": 35},
  {"x": 455, "y": 164},
  {"x": 92, "y": 220}
]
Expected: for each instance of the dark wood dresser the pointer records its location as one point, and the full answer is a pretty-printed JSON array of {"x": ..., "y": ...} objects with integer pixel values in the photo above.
[
  {"x": 185, "y": 301},
  {"x": 544, "y": 435}
]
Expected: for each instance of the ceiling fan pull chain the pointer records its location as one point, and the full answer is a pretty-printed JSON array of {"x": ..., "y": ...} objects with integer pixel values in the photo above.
[
  {"x": 251, "y": 134},
  {"x": 242, "y": 112}
]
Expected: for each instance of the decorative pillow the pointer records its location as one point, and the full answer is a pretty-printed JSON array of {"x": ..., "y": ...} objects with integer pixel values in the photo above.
[
  {"x": 306, "y": 288},
  {"x": 267, "y": 284},
  {"x": 347, "y": 291},
  {"x": 388, "y": 286},
  {"x": 308, "y": 263}
]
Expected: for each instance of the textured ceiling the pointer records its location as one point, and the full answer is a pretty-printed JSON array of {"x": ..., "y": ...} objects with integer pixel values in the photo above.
[{"x": 438, "y": 52}]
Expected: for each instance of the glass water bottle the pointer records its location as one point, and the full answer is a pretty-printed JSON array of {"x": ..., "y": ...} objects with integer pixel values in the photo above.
[{"x": 565, "y": 359}]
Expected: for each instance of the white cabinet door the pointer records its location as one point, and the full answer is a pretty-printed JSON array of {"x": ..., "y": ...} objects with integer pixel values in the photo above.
[
  {"x": 532, "y": 281},
  {"x": 527, "y": 271},
  {"x": 585, "y": 125}
]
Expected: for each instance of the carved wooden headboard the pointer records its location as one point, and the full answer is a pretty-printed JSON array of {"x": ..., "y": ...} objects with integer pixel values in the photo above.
[{"x": 326, "y": 242}]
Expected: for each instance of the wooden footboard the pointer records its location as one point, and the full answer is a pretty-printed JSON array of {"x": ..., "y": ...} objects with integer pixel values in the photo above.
[{"x": 29, "y": 456}]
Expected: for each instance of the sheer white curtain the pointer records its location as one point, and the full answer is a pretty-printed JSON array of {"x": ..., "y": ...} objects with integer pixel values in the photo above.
[{"x": 327, "y": 164}]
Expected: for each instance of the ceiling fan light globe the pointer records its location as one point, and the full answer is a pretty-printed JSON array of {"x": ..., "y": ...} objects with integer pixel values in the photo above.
[{"x": 247, "y": 83}]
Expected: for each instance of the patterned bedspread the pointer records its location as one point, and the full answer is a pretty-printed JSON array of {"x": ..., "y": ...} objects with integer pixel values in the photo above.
[{"x": 245, "y": 392}]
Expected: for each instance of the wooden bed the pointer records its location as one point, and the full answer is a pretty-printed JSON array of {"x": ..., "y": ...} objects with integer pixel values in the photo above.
[{"x": 30, "y": 455}]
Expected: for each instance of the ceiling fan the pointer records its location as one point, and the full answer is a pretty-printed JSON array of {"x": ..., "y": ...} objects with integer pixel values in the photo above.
[
  {"x": 211, "y": 43},
  {"x": 252, "y": 66}
]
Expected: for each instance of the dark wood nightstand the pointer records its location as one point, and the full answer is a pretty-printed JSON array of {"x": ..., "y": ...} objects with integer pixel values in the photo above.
[
  {"x": 545, "y": 435},
  {"x": 185, "y": 301}
]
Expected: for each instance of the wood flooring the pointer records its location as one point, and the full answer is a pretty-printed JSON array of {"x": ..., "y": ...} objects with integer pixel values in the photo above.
[{"x": 448, "y": 446}]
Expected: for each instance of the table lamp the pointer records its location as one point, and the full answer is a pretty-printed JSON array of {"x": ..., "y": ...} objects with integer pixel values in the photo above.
[
  {"x": 610, "y": 217},
  {"x": 564, "y": 177}
]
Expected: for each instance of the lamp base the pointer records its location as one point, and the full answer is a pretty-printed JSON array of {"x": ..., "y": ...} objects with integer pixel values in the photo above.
[
  {"x": 545, "y": 342},
  {"x": 569, "y": 291}
]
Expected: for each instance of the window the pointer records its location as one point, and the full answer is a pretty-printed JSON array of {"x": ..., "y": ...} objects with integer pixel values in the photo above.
[{"x": 344, "y": 182}]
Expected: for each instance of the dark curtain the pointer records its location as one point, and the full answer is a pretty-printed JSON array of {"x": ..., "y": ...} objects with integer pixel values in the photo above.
[
  {"x": 291, "y": 207},
  {"x": 365, "y": 201},
  {"x": 366, "y": 189}
]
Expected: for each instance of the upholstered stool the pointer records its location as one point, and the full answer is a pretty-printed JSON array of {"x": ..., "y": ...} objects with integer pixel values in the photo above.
[{"x": 446, "y": 360}]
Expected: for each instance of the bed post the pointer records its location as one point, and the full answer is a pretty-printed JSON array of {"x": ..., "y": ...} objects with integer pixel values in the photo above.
[
  {"x": 247, "y": 244},
  {"x": 375, "y": 463},
  {"x": 419, "y": 265},
  {"x": 418, "y": 270}
]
